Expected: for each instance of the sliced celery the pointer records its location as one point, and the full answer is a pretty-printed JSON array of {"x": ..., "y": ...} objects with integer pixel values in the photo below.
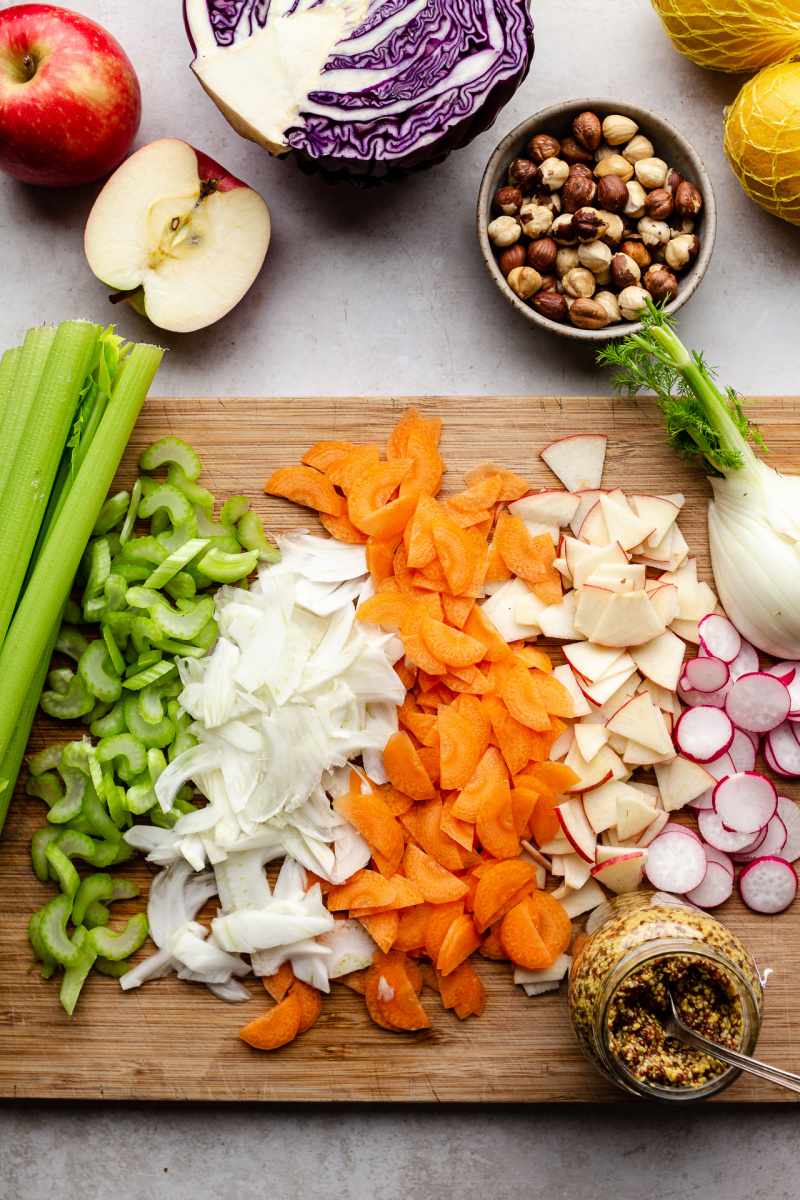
[
  {"x": 94, "y": 887},
  {"x": 117, "y": 946},
  {"x": 133, "y": 507},
  {"x": 234, "y": 509},
  {"x": 67, "y": 876},
  {"x": 112, "y": 512},
  {"x": 70, "y": 642},
  {"x": 159, "y": 671},
  {"x": 227, "y": 568},
  {"x": 250, "y": 531},
  {"x": 75, "y": 974},
  {"x": 171, "y": 450},
  {"x": 117, "y": 661},
  {"x": 97, "y": 672},
  {"x": 176, "y": 562}
]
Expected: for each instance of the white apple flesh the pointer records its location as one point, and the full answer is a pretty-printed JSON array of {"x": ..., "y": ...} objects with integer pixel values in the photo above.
[{"x": 177, "y": 235}]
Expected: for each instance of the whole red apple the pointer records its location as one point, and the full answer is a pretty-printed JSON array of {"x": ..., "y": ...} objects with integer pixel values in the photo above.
[{"x": 70, "y": 102}]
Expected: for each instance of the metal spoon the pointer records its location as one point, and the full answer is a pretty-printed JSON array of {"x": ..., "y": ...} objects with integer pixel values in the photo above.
[{"x": 676, "y": 1028}]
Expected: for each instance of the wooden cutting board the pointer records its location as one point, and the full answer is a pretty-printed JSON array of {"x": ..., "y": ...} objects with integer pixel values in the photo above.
[{"x": 173, "y": 1041}]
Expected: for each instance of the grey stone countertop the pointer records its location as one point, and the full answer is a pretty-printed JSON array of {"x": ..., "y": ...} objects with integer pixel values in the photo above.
[{"x": 384, "y": 293}]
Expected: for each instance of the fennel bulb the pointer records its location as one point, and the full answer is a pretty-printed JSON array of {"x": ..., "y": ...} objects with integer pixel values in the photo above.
[{"x": 754, "y": 516}]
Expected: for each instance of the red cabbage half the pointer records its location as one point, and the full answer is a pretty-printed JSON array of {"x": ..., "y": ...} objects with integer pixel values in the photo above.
[{"x": 363, "y": 90}]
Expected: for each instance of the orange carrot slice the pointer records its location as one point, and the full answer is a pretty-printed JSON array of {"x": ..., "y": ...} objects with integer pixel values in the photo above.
[
  {"x": 521, "y": 939},
  {"x": 456, "y": 553},
  {"x": 523, "y": 802},
  {"x": 385, "y": 608},
  {"x": 277, "y": 985},
  {"x": 459, "y": 750},
  {"x": 345, "y": 471},
  {"x": 305, "y": 486},
  {"x": 531, "y": 656},
  {"x": 553, "y": 777},
  {"x": 411, "y": 931},
  {"x": 310, "y": 1003},
  {"x": 426, "y": 473},
  {"x": 432, "y": 838},
  {"x": 481, "y": 496},
  {"x": 553, "y": 695},
  {"x": 490, "y": 770},
  {"x": 461, "y": 940},
  {"x": 470, "y": 708},
  {"x": 462, "y": 989},
  {"x": 276, "y": 1027},
  {"x": 401, "y": 1008},
  {"x": 492, "y": 947},
  {"x": 418, "y": 536},
  {"x": 498, "y": 885},
  {"x": 457, "y": 608},
  {"x": 404, "y": 768},
  {"x": 513, "y": 487},
  {"x": 374, "y": 821},
  {"x": 544, "y": 824},
  {"x": 481, "y": 628},
  {"x": 380, "y": 556},
  {"x": 364, "y": 889},
  {"x": 555, "y": 927},
  {"x": 461, "y": 832},
  {"x": 523, "y": 699},
  {"x": 322, "y": 454},
  {"x": 355, "y": 980},
  {"x": 450, "y": 645},
  {"x": 343, "y": 529},
  {"x": 438, "y": 886},
  {"x": 371, "y": 491},
  {"x": 397, "y": 441},
  {"x": 495, "y": 825},
  {"x": 382, "y": 928},
  {"x": 429, "y": 757},
  {"x": 518, "y": 550},
  {"x": 439, "y": 922},
  {"x": 406, "y": 895}
]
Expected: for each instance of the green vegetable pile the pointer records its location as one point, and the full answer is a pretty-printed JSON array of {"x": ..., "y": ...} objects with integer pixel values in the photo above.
[{"x": 151, "y": 596}]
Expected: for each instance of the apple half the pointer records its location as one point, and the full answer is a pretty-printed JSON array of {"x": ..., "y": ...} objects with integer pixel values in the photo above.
[{"x": 178, "y": 236}]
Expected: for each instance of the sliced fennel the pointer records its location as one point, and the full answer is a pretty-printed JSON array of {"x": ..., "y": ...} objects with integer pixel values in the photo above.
[{"x": 754, "y": 517}]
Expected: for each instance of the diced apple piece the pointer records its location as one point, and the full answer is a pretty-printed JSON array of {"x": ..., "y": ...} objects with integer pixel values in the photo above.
[
  {"x": 637, "y": 755},
  {"x": 657, "y": 511},
  {"x": 600, "y": 805},
  {"x": 688, "y": 630},
  {"x": 662, "y": 697},
  {"x": 604, "y": 766},
  {"x": 528, "y": 609},
  {"x": 629, "y": 687},
  {"x": 633, "y": 816},
  {"x": 583, "y": 559},
  {"x": 587, "y": 500},
  {"x": 679, "y": 551},
  {"x": 501, "y": 609},
  {"x": 629, "y": 620},
  {"x": 648, "y": 790},
  {"x": 664, "y": 599},
  {"x": 612, "y": 585},
  {"x": 589, "y": 739},
  {"x": 548, "y": 507},
  {"x": 642, "y": 722},
  {"x": 594, "y": 530},
  {"x": 559, "y": 845},
  {"x": 562, "y": 744},
  {"x": 651, "y": 833},
  {"x": 592, "y": 603},
  {"x": 595, "y": 662},
  {"x": 681, "y": 781},
  {"x": 564, "y": 675},
  {"x": 558, "y": 620},
  {"x": 578, "y": 460},
  {"x": 562, "y": 567},
  {"x": 695, "y": 606},
  {"x": 633, "y": 572},
  {"x": 557, "y": 971},
  {"x": 623, "y": 873},
  {"x": 577, "y": 829},
  {"x": 576, "y": 870},
  {"x": 601, "y": 691},
  {"x": 622, "y": 523},
  {"x": 618, "y": 743},
  {"x": 584, "y": 900},
  {"x": 660, "y": 660}
]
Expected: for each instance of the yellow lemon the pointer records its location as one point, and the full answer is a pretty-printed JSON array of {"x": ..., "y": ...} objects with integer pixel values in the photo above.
[
  {"x": 762, "y": 139},
  {"x": 732, "y": 35}
]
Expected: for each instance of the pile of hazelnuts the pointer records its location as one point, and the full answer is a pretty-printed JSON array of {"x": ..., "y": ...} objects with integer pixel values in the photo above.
[{"x": 590, "y": 226}]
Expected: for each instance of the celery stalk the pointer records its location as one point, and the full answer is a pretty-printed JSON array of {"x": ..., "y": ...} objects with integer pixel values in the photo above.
[
  {"x": 32, "y": 359},
  {"x": 24, "y": 500},
  {"x": 59, "y": 558},
  {"x": 8, "y": 369}
]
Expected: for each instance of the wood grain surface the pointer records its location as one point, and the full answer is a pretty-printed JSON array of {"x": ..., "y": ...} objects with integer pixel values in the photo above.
[{"x": 173, "y": 1041}]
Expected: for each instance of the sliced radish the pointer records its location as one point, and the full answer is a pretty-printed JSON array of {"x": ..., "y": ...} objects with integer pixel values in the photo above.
[
  {"x": 694, "y": 699},
  {"x": 742, "y": 752},
  {"x": 721, "y": 767},
  {"x": 703, "y": 733},
  {"x": 789, "y": 813},
  {"x": 789, "y": 672},
  {"x": 768, "y": 885},
  {"x": 705, "y": 675},
  {"x": 715, "y": 889},
  {"x": 769, "y": 759},
  {"x": 745, "y": 802},
  {"x": 785, "y": 749},
  {"x": 752, "y": 848},
  {"x": 719, "y": 856},
  {"x": 770, "y": 842},
  {"x": 715, "y": 833},
  {"x": 676, "y": 863},
  {"x": 703, "y": 801},
  {"x": 676, "y": 827},
  {"x": 719, "y": 638},
  {"x": 746, "y": 661},
  {"x": 758, "y": 702}
]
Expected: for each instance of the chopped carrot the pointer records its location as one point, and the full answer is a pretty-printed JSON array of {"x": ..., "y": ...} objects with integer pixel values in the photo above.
[
  {"x": 498, "y": 885},
  {"x": 523, "y": 802},
  {"x": 462, "y": 990},
  {"x": 553, "y": 695},
  {"x": 478, "y": 626},
  {"x": 544, "y": 824},
  {"x": 305, "y": 486},
  {"x": 555, "y": 927},
  {"x": 370, "y": 494},
  {"x": 553, "y": 777},
  {"x": 456, "y": 552},
  {"x": 480, "y": 496},
  {"x": 531, "y": 656},
  {"x": 392, "y": 994},
  {"x": 355, "y": 980},
  {"x": 276, "y": 1027},
  {"x": 397, "y": 441},
  {"x": 438, "y": 885},
  {"x": 343, "y": 529},
  {"x": 461, "y": 940},
  {"x": 345, "y": 471},
  {"x": 462, "y": 832},
  {"x": 322, "y": 454},
  {"x": 426, "y": 474},
  {"x": 521, "y": 939},
  {"x": 277, "y": 985},
  {"x": 364, "y": 889},
  {"x": 382, "y": 928},
  {"x": 310, "y": 1003},
  {"x": 406, "y": 895},
  {"x": 490, "y": 770},
  {"x": 523, "y": 699},
  {"x": 492, "y": 947},
  {"x": 411, "y": 931},
  {"x": 373, "y": 820},
  {"x": 418, "y": 535},
  {"x": 441, "y": 918},
  {"x": 495, "y": 824},
  {"x": 518, "y": 550},
  {"x": 380, "y": 556},
  {"x": 386, "y": 608},
  {"x": 513, "y": 487},
  {"x": 457, "y": 608},
  {"x": 404, "y": 768},
  {"x": 450, "y": 645},
  {"x": 470, "y": 708},
  {"x": 460, "y": 749},
  {"x": 432, "y": 838}
]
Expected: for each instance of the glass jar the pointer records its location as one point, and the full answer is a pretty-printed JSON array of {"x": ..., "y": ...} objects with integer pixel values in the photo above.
[{"x": 632, "y": 950}]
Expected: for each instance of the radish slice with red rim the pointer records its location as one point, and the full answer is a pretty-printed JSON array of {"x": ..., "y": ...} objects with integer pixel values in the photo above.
[
  {"x": 676, "y": 827},
  {"x": 758, "y": 702},
  {"x": 746, "y": 661},
  {"x": 703, "y": 801},
  {"x": 789, "y": 672},
  {"x": 768, "y": 885},
  {"x": 694, "y": 699},
  {"x": 715, "y": 889},
  {"x": 704, "y": 675},
  {"x": 785, "y": 749},
  {"x": 715, "y": 833},
  {"x": 752, "y": 849},
  {"x": 745, "y": 802},
  {"x": 703, "y": 733},
  {"x": 719, "y": 638},
  {"x": 721, "y": 767},
  {"x": 742, "y": 752},
  {"x": 789, "y": 813},
  {"x": 771, "y": 842},
  {"x": 719, "y": 856},
  {"x": 769, "y": 759},
  {"x": 676, "y": 863}
]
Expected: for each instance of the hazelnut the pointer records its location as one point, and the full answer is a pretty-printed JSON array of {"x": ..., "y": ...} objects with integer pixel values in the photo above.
[
  {"x": 615, "y": 228},
  {"x": 679, "y": 225},
  {"x": 535, "y": 219},
  {"x": 587, "y": 131},
  {"x": 581, "y": 169},
  {"x": 503, "y": 231},
  {"x": 673, "y": 181},
  {"x": 552, "y": 174},
  {"x": 549, "y": 200},
  {"x": 602, "y": 277},
  {"x": 625, "y": 271},
  {"x": 524, "y": 281},
  {"x": 542, "y": 254},
  {"x": 632, "y": 301},
  {"x": 651, "y": 172},
  {"x": 577, "y": 192},
  {"x": 507, "y": 201},
  {"x": 572, "y": 152},
  {"x": 609, "y": 303},
  {"x": 629, "y": 224},
  {"x": 550, "y": 305},
  {"x": 566, "y": 260},
  {"x": 618, "y": 129},
  {"x": 588, "y": 224},
  {"x": 660, "y": 283},
  {"x": 659, "y": 253},
  {"x": 682, "y": 251},
  {"x": 521, "y": 174},
  {"x": 563, "y": 230},
  {"x": 542, "y": 146},
  {"x": 638, "y": 252},
  {"x": 513, "y": 257},
  {"x": 612, "y": 193},
  {"x": 603, "y": 151},
  {"x": 653, "y": 233},
  {"x": 579, "y": 283},
  {"x": 688, "y": 200},
  {"x": 638, "y": 148},
  {"x": 587, "y": 314},
  {"x": 595, "y": 256},
  {"x": 637, "y": 197},
  {"x": 659, "y": 204},
  {"x": 549, "y": 284},
  {"x": 614, "y": 164}
]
